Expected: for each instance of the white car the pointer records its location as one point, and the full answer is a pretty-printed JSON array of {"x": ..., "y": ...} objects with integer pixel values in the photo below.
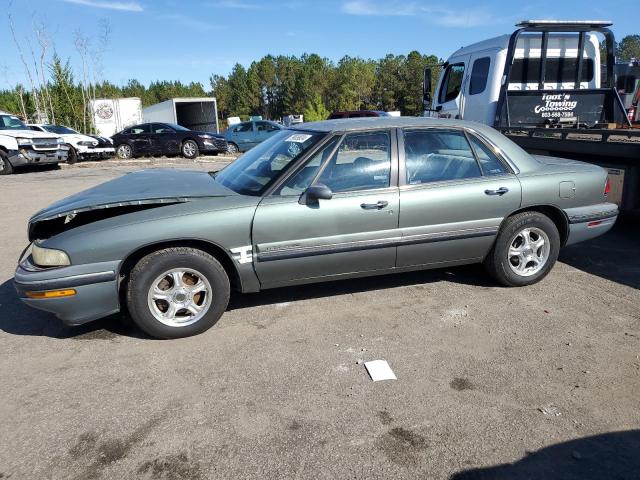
[
  {"x": 81, "y": 147},
  {"x": 20, "y": 146}
]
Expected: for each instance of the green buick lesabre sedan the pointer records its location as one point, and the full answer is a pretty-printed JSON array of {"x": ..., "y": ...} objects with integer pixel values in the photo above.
[{"x": 324, "y": 201}]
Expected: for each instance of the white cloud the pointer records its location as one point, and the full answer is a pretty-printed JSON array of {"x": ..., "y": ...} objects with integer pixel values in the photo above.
[
  {"x": 382, "y": 9},
  {"x": 110, "y": 5},
  {"x": 239, "y": 4},
  {"x": 442, "y": 16},
  {"x": 468, "y": 19}
]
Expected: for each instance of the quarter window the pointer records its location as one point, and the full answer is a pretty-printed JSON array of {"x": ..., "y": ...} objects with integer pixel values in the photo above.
[
  {"x": 479, "y": 75},
  {"x": 362, "y": 162},
  {"x": 438, "y": 155},
  {"x": 452, "y": 83},
  {"x": 488, "y": 160}
]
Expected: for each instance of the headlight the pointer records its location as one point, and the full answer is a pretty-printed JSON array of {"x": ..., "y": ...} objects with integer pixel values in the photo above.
[
  {"x": 24, "y": 141},
  {"x": 87, "y": 143},
  {"x": 60, "y": 140},
  {"x": 48, "y": 257},
  {"x": 206, "y": 136}
]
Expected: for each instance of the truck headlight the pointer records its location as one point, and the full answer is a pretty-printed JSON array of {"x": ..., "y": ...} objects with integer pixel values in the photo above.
[
  {"x": 60, "y": 140},
  {"x": 23, "y": 142},
  {"x": 48, "y": 257}
]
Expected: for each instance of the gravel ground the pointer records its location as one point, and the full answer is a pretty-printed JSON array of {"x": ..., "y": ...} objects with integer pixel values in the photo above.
[{"x": 536, "y": 382}]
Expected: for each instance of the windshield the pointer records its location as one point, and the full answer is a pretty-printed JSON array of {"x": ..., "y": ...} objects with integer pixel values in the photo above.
[
  {"x": 59, "y": 129},
  {"x": 11, "y": 122},
  {"x": 257, "y": 169}
]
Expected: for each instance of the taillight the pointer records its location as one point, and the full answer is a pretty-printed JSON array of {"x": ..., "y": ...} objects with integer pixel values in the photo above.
[{"x": 607, "y": 187}]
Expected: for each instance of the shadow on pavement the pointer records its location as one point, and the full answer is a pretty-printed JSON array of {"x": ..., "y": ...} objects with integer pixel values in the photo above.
[
  {"x": 614, "y": 455},
  {"x": 468, "y": 275},
  {"x": 18, "y": 319},
  {"x": 614, "y": 256}
]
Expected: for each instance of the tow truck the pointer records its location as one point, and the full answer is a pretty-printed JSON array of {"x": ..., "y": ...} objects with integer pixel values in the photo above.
[{"x": 544, "y": 87}]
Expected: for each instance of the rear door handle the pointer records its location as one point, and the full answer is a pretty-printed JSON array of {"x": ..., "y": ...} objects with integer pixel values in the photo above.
[
  {"x": 500, "y": 191},
  {"x": 374, "y": 206}
]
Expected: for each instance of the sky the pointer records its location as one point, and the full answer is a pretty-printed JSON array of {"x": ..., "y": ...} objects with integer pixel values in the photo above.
[{"x": 188, "y": 40}]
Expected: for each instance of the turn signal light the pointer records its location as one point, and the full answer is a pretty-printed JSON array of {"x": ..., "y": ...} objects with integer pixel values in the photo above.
[
  {"x": 607, "y": 187},
  {"x": 52, "y": 294}
]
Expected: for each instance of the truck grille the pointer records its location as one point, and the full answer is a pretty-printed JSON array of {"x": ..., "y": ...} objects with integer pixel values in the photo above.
[{"x": 45, "y": 143}]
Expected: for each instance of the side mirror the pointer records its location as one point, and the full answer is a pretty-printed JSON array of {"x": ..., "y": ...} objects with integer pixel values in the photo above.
[
  {"x": 426, "y": 86},
  {"x": 317, "y": 191}
]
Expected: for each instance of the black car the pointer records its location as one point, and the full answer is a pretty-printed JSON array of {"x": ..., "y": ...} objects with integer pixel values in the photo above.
[{"x": 166, "y": 139}]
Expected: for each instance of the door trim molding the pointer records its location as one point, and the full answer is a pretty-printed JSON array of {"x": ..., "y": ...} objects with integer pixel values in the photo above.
[{"x": 289, "y": 252}]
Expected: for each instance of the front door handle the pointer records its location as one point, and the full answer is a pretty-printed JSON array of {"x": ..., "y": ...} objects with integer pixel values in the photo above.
[
  {"x": 374, "y": 206},
  {"x": 500, "y": 191}
]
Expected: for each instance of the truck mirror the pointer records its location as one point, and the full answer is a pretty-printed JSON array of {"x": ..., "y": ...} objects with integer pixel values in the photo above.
[{"x": 426, "y": 86}]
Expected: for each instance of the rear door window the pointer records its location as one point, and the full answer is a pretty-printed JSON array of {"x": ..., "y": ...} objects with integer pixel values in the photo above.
[
  {"x": 437, "y": 155},
  {"x": 479, "y": 75}
]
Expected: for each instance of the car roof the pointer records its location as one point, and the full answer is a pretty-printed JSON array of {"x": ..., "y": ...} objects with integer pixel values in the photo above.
[
  {"x": 367, "y": 123},
  {"x": 523, "y": 160}
]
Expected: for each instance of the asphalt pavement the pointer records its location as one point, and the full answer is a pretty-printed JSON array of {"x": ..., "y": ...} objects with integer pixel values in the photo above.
[{"x": 535, "y": 382}]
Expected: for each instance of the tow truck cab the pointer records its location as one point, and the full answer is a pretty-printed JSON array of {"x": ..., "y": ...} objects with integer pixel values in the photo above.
[{"x": 547, "y": 87}]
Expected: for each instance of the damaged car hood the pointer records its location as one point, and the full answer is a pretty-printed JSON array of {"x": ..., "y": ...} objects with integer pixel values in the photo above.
[{"x": 148, "y": 187}]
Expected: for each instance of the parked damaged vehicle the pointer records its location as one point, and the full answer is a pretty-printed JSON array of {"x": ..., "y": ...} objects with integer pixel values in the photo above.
[
  {"x": 166, "y": 139},
  {"x": 20, "y": 146},
  {"x": 81, "y": 147},
  {"x": 324, "y": 201}
]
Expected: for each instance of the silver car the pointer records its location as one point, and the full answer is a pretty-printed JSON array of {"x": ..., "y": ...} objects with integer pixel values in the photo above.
[{"x": 323, "y": 201}]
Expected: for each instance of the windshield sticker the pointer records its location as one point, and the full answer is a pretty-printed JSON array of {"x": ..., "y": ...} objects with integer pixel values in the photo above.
[{"x": 298, "y": 138}]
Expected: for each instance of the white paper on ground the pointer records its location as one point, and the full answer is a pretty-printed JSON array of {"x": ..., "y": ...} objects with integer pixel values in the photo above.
[{"x": 379, "y": 370}]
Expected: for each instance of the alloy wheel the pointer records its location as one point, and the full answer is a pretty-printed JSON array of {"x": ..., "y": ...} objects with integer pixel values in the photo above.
[
  {"x": 179, "y": 297},
  {"x": 124, "y": 151},
  {"x": 528, "y": 251}
]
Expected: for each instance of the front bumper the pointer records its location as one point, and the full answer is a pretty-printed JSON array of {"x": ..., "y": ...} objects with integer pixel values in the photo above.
[
  {"x": 216, "y": 145},
  {"x": 86, "y": 153},
  {"x": 96, "y": 287},
  {"x": 31, "y": 156},
  {"x": 591, "y": 221}
]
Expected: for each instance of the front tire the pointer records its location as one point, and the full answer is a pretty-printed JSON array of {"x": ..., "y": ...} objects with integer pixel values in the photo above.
[
  {"x": 124, "y": 151},
  {"x": 72, "y": 156},
  {"x": 525, "y": 250},
  {"x": 5, "y": 165},
  {"x": 190, "y": 149},
  {"x": 177, "y": 292}
]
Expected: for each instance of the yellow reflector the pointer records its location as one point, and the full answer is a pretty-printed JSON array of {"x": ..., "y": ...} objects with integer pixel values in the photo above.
[{"x": 52, "y": 294}]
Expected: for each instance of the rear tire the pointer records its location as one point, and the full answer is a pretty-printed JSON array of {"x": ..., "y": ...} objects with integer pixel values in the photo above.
[
  {"x": 190, "y": 149},
  {"x": 525, "y": 250},
  {"x": 5, "y": 165},
  {"x": 177, "y": 292},
  {"x": 232, "y": 148}
]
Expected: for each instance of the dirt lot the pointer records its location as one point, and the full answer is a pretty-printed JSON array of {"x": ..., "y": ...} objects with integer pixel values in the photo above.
[{"x": 538, "y": 382}]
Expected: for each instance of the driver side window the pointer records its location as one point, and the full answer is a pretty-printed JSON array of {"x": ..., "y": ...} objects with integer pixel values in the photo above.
[{"x": 362, "y": 162}]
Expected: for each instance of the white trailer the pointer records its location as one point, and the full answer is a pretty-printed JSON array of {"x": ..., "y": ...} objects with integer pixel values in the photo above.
[
  {"x": 195, "y": 113},
  {"x": 110, "y": 116}
]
